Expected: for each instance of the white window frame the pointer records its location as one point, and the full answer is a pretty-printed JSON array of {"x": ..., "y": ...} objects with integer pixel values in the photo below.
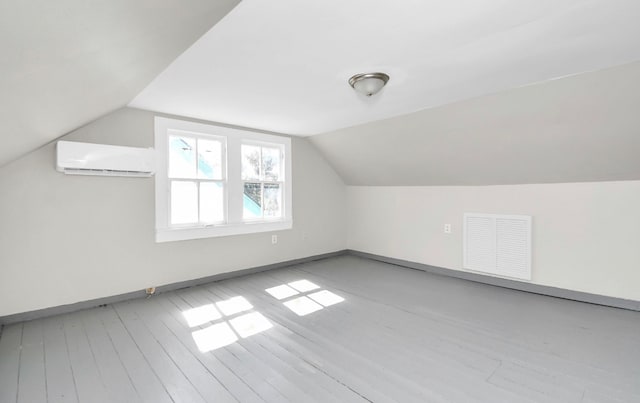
[
  {"x": 263, "y": 181},
  {"x": 234, "y": 184},
  {"x": 198, "y": 181}
]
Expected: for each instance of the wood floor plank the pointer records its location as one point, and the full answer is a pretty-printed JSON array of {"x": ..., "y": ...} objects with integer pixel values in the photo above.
[
  {"x": 293, "y": 367},
  {"x": 60, "y": 381},
  {"x": 300, "y": 353},
  {"x": 204, "y": 381},
  {"x": 455, "y": 363},
  {"x": 32, "y": 385},
  {"x": 85, "y": 371},
  {"x": 289, "y": 382},
  {"x": 399, "y": 335},
  {"x": 453, "y": 374},
  {"x": 539, "y": 386},
  {"x": 174, "y": 380},
  {"x": 475, "y": 389},
  {"x": 243, "y": 365},
  {"x": 112, "y": 372},
  {"x": 147, "y": 384},
  {"x": 376, "y": 389},
  {"x": 508, "y": 344},
  {"x": 234, "y": 382},
  {"x": 407, "y": 328},
  {"x": 390, "y": 352},
  {"x": 10, "y": 348}
]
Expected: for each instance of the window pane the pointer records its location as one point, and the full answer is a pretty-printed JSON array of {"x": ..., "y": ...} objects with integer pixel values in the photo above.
[
  {"x": 209, "y": 159},
  {"x": 271, "y": 164},
  {"x": 211, "y": 202},
  {"x": 250, "y": 162},
  {"x": 184, "y": 202},
  {"x": 252, "y": 201},
  {"x": 182, "y": 157},
  {"x": 272, "y": 200}
]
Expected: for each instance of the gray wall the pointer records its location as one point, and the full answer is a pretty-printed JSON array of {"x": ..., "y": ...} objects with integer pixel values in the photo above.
[
  {"x": 585, "y": 235},
  {"x": 67, "y": 238}
]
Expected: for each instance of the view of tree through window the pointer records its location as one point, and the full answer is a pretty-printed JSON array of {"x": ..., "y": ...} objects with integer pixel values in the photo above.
[{"x": 262, "y": 176}]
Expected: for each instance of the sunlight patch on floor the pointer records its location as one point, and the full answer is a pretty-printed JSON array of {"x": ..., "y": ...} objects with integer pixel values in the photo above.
[
  {"x": 302, "y": 306},
  {"x": 326, "y": 298},
  {"x": 304, "y": 285},
  {"x": 281, "y": 292},
  {"x": 234, "y": 305},
  {"x": 250, "y": 324},
  {"x": 201, "y": 315},
  {"x": 307, "y": 302},
  {"x": 237, "y": 323},
  {"x": 214, "y": 337}
]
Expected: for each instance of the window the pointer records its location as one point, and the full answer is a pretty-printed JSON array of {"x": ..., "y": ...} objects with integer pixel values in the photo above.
[
  {"x": 262, "y": 184},
  {"x": 196, "y": 179},
  {"x": 216, "y": 181}
]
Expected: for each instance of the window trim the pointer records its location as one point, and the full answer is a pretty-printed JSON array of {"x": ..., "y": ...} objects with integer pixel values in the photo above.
[{"x": 234, "y": 225}]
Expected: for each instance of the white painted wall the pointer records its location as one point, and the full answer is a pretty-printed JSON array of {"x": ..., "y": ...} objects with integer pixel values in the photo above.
[
  {"x": 65, "y": 239},
  {"x": 585, "y": 235}
]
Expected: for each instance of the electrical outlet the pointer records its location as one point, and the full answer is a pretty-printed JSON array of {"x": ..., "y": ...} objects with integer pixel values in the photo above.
[
  {"x": 274, "y": 239},
  {"x": 447, "y": 228}
]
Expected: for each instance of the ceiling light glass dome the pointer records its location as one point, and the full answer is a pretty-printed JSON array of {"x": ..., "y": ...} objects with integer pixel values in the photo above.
[{"x": 368, "y": 83}]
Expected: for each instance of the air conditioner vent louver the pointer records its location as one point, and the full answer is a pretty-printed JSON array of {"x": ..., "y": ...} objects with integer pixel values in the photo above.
[
  {"x": 105, "y": 172},
  {"x": 75, "y": 158}
]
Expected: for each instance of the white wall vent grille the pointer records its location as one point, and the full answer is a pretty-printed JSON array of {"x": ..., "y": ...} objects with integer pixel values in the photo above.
[{"x": 498, "y": 244}]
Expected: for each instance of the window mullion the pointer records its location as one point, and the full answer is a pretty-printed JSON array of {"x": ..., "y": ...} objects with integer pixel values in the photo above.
[
  {"x": 261, "y": 168},
  {"x": 262, "y": 181},
  {"x": 168, "y": 201},
  {"x": 198, "y": 196},
  {"x": 196, "y": 180},
  {"x": 262, "y": 198},
  {"x": 234, "y": 180}
]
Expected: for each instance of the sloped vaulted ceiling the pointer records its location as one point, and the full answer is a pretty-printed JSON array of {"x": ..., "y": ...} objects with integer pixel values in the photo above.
[
  {"x": 67, "y": 62},
  {"x": 575, "y": 129},
  {"x": 461, "y": 74},
  {"x": 283, "y": 65}
]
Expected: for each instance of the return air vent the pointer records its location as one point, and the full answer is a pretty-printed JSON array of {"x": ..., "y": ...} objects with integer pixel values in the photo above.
[{"x": 498, "y": 244}]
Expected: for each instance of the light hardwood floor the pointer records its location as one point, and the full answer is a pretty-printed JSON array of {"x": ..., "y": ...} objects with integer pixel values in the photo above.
[{"x": 399, "y": 335}]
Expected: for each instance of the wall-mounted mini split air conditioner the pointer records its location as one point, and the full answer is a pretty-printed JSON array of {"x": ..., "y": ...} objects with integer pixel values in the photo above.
[{"x": 75, "y": 158}]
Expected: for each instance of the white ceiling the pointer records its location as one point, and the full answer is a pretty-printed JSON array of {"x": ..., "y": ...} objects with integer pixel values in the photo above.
[
  {"x": 64, "y": 63},
  {"x": 283, "y": 65}
]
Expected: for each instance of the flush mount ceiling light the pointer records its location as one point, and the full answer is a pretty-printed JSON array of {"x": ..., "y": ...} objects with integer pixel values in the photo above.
[{"x": 368, "y": 83}]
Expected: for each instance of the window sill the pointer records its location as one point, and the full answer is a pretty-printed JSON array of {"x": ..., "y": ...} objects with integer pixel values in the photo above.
[{"x": 182, "y": 234}]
